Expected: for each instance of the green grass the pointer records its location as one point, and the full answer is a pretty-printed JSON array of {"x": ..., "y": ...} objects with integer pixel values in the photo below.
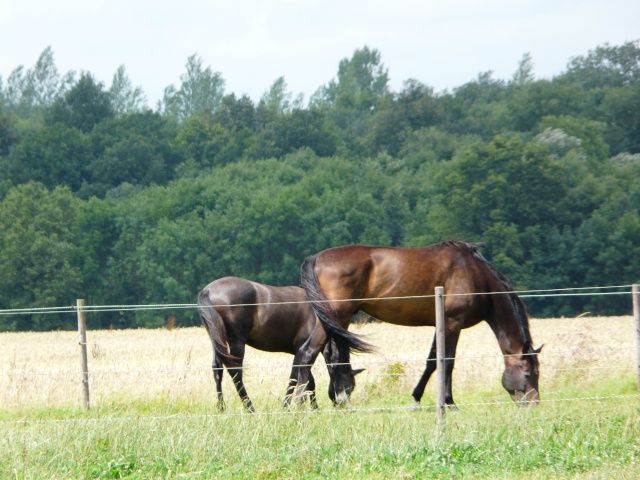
[
  {"x": 156, "y": 439},
  {"x": 162, "y": 426}
]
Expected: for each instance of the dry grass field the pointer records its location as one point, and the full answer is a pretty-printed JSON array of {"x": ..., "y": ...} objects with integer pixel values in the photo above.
[
  {"x": 153, "y": 412},
  {"x": 40, "y": 370}
]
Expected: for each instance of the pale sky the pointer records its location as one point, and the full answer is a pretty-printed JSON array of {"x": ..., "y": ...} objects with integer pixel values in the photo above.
[{"x": 441, "y": 43}]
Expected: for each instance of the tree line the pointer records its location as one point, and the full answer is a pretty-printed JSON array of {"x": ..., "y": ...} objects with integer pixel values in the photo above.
[{"x": 107, "y": 199}]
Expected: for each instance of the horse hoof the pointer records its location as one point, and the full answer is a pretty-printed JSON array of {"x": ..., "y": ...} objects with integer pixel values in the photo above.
[{"x": 416, "y": 405}]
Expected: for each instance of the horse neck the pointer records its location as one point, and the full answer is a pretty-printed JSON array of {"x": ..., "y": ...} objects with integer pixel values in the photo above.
[{"x": 509, "y": 323}]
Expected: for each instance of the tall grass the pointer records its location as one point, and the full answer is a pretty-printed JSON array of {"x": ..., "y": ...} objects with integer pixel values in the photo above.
[
  {"x": 153, "y": 414},
  {"x": 553, "y": 441}
]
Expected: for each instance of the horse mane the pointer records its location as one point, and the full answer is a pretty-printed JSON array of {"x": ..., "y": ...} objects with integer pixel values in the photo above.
[{"x": 501, "y": 284}]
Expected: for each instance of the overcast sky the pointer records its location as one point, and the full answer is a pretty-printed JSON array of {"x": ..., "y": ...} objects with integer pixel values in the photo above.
[{"x": 441, "y": 43}]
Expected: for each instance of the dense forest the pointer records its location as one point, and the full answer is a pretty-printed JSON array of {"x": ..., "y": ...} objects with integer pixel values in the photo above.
[{"x": 105, "y": 198}]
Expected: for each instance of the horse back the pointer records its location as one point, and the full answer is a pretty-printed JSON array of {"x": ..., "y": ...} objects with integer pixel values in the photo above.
[
  {"x": 371, "y": 272},
  {"x": 268, "y": 318}
]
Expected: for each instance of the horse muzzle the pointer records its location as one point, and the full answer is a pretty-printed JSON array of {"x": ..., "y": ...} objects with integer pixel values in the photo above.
[
  {"x": 341, "y": 400},
  {"x": 529, "y": 398}
]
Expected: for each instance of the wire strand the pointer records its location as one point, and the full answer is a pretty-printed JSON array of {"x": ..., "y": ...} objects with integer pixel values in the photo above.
[
  {"x": 110, "y": 308},
  {"x": 292, "y": 412}
]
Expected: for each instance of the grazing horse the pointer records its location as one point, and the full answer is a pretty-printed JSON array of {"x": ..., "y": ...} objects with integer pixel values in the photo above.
[
  {"x": 238, "y": 312},
  {"x": 342, "y": 280}
]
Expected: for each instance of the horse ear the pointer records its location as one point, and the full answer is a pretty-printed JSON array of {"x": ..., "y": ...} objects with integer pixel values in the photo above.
[
  {"x": 539, "y": 349},
  {"x": 356, "y": 371}
]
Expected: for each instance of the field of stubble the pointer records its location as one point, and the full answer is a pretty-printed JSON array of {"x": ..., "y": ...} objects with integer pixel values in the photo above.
[
  {"x": 153, "y": 412},
  {"x": 43, "y": 369}
]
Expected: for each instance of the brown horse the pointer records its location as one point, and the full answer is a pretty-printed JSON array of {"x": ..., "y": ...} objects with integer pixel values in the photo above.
[
  {"x": 239, "y": 312},
  {"x": 358, "y": 277}
]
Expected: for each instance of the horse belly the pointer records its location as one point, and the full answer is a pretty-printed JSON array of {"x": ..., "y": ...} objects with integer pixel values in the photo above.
[
  {"x": 278, "y": 331},
  {"x": 410, "y": 314},
  {"x": 270, "y": 345}
]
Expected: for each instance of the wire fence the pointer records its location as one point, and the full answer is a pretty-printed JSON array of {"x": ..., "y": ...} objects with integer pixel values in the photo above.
[
  {"x": 553, "y": 292},
  {"x": 175, "y": 363}
]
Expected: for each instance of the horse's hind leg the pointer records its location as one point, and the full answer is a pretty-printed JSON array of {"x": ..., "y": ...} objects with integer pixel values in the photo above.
[
  {"x": 217, "y": 376},
  {"x": 235, "y": 370},
  {"x": 236, "y": 375}
]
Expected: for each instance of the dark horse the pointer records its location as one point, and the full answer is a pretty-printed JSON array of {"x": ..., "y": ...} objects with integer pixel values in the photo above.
[
  {"x": 239, "y": 312},
  {"x": 355, "y": 277}
]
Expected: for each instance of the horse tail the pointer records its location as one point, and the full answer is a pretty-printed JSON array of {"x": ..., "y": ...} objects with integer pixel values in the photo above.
[
  {"x": 215, "y": 326},
  {"x": 325, "y": 312}
]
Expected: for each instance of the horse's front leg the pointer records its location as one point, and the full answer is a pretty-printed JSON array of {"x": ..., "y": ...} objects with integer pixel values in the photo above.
[
  {"x": 291, "y": 388},
  {"x": 452, "y": 335},
  {"x": 311, "y": 391},
  {"x": 418, "y": 391},
  {"x": 301, "y": 381},
  {"x": 301, "y": 376},
  {"x": 293, "y": 380}
]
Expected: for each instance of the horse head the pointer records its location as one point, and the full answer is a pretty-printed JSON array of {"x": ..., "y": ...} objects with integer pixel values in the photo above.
[
  {"x": 520, "y": 377},
  {"x": 342, "y": 375},
  {"x": 343, "y": 382}
]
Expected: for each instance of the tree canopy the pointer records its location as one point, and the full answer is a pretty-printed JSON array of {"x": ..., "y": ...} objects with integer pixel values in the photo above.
[{"x": 104, "y": 198}]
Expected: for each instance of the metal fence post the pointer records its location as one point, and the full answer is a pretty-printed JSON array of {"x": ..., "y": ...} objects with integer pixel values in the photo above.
[
  {"x": 440, "y": 352},
  {"x": 635, "y": 293},
  {"x": 84, "y": 364}
]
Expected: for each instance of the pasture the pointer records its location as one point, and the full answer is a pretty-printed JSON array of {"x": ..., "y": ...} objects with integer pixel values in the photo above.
[{"x": 153, "y": 409}]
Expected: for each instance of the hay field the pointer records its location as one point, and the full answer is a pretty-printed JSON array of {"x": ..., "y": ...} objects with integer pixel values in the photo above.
[{"x": 40, "y": 370}]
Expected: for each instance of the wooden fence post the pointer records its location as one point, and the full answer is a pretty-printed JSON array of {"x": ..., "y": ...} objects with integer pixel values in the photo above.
[
  {"x": 440, "y": 353},
  {"x": 635, "y": 293},
  {"x": 84, "y": 364}
]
